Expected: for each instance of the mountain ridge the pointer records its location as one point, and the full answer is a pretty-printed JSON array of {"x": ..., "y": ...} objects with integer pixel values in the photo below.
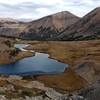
[
  {"x": 49, "y": 26},
  {"x": 88, "y": 25},
  {"x": 59, "y": 26}
]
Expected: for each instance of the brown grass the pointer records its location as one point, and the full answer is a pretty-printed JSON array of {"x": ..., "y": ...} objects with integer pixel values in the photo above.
[
  {"x": 68, "y": 81},
  {"x": 23, "y": 54},
  {"x": 71, "y": 53}
]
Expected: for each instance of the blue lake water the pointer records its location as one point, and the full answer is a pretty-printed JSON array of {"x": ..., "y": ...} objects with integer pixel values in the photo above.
[{"x": 36, "y": 65}]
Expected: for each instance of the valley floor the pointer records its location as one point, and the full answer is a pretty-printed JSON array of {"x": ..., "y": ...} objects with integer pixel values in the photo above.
[
  {"x": 81, "y": 78},
  {"x": 83, "y": 57}
]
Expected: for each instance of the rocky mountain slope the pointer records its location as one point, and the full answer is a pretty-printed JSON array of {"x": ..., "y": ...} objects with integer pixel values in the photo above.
[
  {"x": 49, "y": 26},
  {"x": 87, "y": 27},
  {"x": 59, "y": 26}
]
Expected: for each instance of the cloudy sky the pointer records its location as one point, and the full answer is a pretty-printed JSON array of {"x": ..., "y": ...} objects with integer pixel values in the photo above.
[{"x": 34, "y": 9}]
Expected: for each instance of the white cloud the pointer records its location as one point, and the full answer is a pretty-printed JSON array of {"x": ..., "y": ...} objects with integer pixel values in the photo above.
[
  {"x": 38, "y": 8},
  {"x": 14, "y": 1},
  {"x": 48, "y": 2}
]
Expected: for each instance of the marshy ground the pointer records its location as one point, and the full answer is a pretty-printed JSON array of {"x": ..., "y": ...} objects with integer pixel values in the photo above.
[{"x": 83, "y": 58}]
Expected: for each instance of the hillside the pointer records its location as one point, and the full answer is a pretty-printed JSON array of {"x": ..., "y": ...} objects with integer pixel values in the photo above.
[
  {"x": 49, "y": 26},
  {"x": 60, "y": 26},
  {"x": 10, "y": 27},
  {"x": 86, "y": 28}
]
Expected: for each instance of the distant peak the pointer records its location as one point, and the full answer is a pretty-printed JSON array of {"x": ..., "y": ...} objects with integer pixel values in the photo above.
[{"x": 64, "y": 13}]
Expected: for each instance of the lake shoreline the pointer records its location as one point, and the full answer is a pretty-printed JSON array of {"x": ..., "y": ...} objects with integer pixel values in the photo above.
[
  {"x": 39, "y": 64},
  {"x": 9, "y": 55}
]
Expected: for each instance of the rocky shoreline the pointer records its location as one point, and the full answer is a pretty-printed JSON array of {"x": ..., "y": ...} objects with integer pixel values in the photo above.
[{"x": 10, "y": 54}]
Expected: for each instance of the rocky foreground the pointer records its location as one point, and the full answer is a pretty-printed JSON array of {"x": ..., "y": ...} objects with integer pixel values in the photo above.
[{"x": 18, "y": 88}]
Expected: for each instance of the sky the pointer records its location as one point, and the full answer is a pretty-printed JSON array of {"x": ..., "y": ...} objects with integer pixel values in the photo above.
[{"x": 34, "y": 9}]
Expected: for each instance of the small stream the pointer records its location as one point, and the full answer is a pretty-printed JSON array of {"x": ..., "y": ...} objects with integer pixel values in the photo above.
[{"x": 40, "y": 64}]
